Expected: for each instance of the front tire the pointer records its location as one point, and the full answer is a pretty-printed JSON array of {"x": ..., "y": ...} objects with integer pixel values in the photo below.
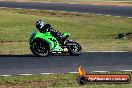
[
  {"x": 39, "y": 48},
  {"x": 75, "y": 49}
]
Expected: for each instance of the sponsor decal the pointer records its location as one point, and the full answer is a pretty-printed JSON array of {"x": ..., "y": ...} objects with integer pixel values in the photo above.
[{"x": 84, "y": 78}]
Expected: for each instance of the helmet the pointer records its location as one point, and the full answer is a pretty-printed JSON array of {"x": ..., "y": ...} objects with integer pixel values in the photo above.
[{"x": 39, "y": 24}]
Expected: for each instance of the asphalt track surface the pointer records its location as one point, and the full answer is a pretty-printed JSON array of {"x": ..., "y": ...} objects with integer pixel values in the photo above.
[
  {"x": 96, "y": 9},
  {"x": 29, "y": 64}
]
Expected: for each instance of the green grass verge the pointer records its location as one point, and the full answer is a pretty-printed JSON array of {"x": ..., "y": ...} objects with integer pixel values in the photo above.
[
  {"x": 91, "y": 31},
  {"x": 53, "y": 81}
]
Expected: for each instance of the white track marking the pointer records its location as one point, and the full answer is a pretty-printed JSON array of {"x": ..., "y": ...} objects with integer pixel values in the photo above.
[
  {"x": 117, "y": 16},
  {"x": 25, "y": 74},
  {"x": 100, "y": 71},
  {"x": 72, "y": 72},
  {"x": 126, "y": 70},
  {"x": 99, "y": 14},
  {"x": 129, "y": 17},
  {"x": 46, "y": 73},
  {"x": 107, "y": 15},
  {"x": 5, "y": 75}
]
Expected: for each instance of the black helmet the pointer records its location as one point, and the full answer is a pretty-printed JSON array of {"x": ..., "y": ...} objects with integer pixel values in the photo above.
[{"x": 40, "y": 24}]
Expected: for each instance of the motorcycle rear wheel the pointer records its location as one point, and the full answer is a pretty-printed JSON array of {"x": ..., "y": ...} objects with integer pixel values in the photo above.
[{"x": 75, "y": 49}]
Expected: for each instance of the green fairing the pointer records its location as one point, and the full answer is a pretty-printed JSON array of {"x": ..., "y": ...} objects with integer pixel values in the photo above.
[{"x": 53, "y": 42}]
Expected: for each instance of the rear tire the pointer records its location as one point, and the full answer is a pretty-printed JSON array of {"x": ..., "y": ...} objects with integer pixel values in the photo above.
[
  {"x": 75, "y": 49},
  {"x": 39, "y": 48}
]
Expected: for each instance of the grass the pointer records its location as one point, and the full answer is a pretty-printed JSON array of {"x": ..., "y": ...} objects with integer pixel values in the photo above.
[
  {"x": 54, "y": 81},
  {"x": 91, "y": 31}
]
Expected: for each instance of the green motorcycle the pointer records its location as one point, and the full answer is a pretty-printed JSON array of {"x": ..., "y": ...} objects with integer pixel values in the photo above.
[{"x": 44, "y": 44}]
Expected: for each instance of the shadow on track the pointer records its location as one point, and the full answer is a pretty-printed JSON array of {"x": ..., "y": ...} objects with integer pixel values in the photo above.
[
  {"x": 31, "y": 55},
  {"x": 28, "y": 55}
]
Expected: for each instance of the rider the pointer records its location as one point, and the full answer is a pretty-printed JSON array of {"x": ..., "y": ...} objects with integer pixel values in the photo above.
[{"x": 42, "y": 27}]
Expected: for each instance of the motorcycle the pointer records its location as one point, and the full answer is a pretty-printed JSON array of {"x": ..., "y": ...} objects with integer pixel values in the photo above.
[{"x": 44, "y": 44}]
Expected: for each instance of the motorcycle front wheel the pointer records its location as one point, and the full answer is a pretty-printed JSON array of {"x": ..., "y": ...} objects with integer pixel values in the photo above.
[{"x": 39, "y": 48}]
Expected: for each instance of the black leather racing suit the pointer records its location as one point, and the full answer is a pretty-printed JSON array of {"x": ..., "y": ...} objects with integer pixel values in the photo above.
[{"x": 55, "y": 33}]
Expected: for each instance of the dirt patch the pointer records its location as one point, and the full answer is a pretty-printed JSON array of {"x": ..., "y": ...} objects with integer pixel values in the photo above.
[
  {"x": 44, "y": 12},
  {"x": 107, "y": 3},
  {"x": 25, "y": 85},
  {"x": 124, "y": 36}
]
